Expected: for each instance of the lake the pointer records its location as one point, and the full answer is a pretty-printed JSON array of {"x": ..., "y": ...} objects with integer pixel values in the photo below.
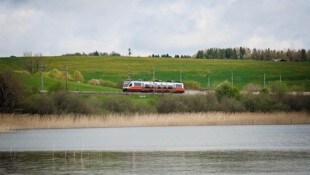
[{"x": 255, "y": 149}]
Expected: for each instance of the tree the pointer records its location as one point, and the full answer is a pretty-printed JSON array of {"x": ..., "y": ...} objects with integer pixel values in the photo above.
[
  {"x": 200, "y": 54},
  {"x": 129, "y": 51},
  {"x": 303, "y": 55},
  {"x": 114, "y": 54},
  {"x": 32, "y": 64},
  {"x": 11, "y": 91},
  {"x": 225, "y": 89}
]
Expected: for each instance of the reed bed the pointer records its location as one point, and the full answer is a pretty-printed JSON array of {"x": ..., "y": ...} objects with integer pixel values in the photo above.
[{"x": 12, "y": 122}]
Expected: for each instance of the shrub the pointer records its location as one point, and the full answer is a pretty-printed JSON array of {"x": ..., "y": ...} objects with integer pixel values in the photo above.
[
  {"x": 39, "y": 104},
  {"x": 192, "y": 85},
  {"x": 119, "y": 104},
  {"x": 264, "y": 91},
  {"x": 70, "y": 103},
  {"x": 171, "y": 104},
  {"x": 55, "y": 73},
  {"x": 56, "y": 87},
  {"x": 107, "y": 83},
  {"x": 278, "y": 88},
  {"x": 257, "y": 103},
  {"x": 212, "y": 103},
  {"x": 231, "y": 105},
  {"x": 144, "y": 108},
  {"x": 297, "y": 102},
  {"x": 225, "y": 89},
  {"x": 94, "y": 82},
  {"x": 77, "y": 76},
  {"x": 251, "y": 87}
]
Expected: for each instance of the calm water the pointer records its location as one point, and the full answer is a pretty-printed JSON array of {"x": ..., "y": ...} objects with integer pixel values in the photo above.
[{"x": 158, "y": 150}]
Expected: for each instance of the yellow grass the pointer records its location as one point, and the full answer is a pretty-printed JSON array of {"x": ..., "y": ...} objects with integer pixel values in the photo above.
[{"x": 11, "y": 122}]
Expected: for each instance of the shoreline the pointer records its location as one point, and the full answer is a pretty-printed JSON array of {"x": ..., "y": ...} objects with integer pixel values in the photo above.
[{"x": 13, "y": 122}]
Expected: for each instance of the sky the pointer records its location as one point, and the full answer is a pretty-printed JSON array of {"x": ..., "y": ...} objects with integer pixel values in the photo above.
[{"x": 56, "y": 27}]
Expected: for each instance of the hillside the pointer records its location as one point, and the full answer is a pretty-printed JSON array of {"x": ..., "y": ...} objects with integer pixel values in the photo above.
[{"x": 115, "y": 69}]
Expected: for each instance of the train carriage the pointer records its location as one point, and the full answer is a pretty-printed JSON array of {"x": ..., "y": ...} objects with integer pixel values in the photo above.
[{"x": 156, "y": 86}]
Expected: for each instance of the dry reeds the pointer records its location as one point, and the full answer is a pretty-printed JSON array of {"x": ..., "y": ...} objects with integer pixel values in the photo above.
[{"x": 11, "y": 122}]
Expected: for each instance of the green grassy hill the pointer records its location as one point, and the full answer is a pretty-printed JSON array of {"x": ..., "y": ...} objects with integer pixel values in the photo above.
[{"x": 295, "y": 74}]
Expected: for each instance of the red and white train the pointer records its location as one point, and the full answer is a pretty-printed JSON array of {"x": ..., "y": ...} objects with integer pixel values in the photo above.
[{"x": 150, "y": 86}]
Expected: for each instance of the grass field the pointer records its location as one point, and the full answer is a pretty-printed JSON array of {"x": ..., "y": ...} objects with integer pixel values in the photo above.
[
  {"x": 11, "y": 122},
  {"x": 295, "y": 74}
]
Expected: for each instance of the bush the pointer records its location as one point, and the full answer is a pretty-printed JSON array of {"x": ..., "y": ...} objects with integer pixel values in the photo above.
[
  {"x": 77, "y": 76},
  {"x": 231, "y": 105},
  {"x": 56, "y": 74},
  {"x": 70, "y": 103},
  {"x": 171, "y": 104},
  {"x": 225, "y": 89},
  {"x": 251, "y": 87},
  {"x": 297, "y": 102},
  {"x": 212, "y": 103},
  {"x": 94, "y": 82},
  {"x": 107, "y": 83},
  {"x": 187, "y": 103},
  {"x": 119, "y": 104},
  {"x": 257, "y": 103},
  {"x": 192, "y": 85},
  {"x": 39, "y": 104},
  {"x": 56, "y": 87},
  {"x": 278, "y": 88}
]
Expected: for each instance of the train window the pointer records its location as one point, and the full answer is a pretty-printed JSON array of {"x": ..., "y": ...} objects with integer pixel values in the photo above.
[
  {"x": 130, "y": 84},
  {"x": 137, "y": 84},
  {"x": 178, "y": 85}
]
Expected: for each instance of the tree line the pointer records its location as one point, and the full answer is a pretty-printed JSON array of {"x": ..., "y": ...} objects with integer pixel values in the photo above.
[
  {"x": 169, "y": 56},
  {"x": 255, "y": 54},
  {"x": 95, "y": 53}
]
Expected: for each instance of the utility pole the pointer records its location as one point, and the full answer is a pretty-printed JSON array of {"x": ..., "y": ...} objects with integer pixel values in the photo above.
[
  {"x": 232, "y": 79},
  {"x": 180, "y": 76},
  {"x": 66, "y": 78},
  {"x": 153, "y": 74},
  {"x": 209, "y": 85},
  {"x": 264, "y": 80},
  {"x": 153, "y": 80},
  {"x": 129, "y": 73},
  {"x": 42, "y": 78}
]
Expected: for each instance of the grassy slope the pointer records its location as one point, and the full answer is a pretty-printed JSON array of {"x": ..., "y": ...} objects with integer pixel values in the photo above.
[{"x": 116, "y": 69}]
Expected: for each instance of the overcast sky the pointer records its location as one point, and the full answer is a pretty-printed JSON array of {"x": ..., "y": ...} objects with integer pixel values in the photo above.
[{"x": 55, "y": 27}]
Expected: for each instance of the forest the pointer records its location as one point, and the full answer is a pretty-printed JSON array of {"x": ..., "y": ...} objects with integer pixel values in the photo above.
[{"x": 254, "y": 54}]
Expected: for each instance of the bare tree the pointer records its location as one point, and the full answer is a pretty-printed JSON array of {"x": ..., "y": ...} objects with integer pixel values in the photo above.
[
  {"x": 11, "y": 91},
  {"x": 32, "y": 64}
]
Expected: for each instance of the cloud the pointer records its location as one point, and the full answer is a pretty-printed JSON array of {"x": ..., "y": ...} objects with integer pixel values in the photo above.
[
  {"x": 272, "y": 42},
  {"x": 150, "y": 26}
]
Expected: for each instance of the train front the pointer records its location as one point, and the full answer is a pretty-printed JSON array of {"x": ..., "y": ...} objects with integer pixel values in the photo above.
[{"x": 126, "y": 85}]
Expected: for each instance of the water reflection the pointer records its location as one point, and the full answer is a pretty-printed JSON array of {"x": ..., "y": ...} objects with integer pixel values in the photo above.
[
  {"x": 216, "y": 162},
  {"x": 158, "y": 150},
  {"x": 204, "y": 138}
]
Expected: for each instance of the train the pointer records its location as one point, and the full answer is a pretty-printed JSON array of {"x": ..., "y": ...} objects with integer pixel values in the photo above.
[{"x": 153, "y": 86}]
